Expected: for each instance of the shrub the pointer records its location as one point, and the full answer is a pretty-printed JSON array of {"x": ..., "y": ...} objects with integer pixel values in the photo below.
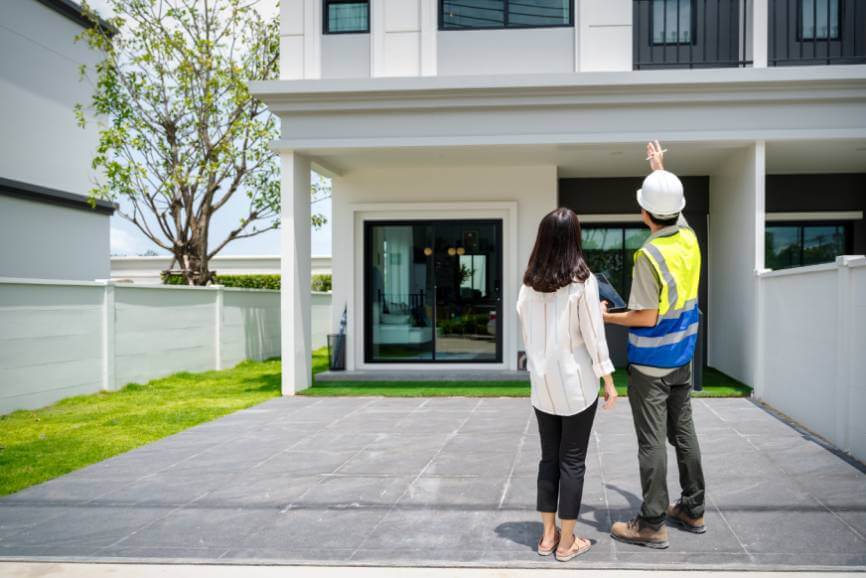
[{"x": 319, "y": 282}]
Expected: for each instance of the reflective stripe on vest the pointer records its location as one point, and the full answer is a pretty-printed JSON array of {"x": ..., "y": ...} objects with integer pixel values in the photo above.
[{"x": 671, "y": 342}]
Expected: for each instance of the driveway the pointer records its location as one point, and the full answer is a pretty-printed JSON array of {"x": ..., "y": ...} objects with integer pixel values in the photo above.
[{"x": 435, "y": 482}]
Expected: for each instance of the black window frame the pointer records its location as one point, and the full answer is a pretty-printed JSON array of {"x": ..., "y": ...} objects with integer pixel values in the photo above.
[
  {"x": 366, "y": 330},
  {"x": 847, "y": 225},
  {"x": 441, "y": 17},
  {"x": 325, "y": 20},
  {"x": 693, "y": 23},
  {"x": 801, "y": 8},
  {"x": 623, "y": 226}
]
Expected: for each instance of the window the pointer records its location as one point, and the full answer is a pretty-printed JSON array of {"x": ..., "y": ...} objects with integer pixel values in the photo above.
[
  {"x": 610, "y": 250},
  {"x": 347, "y": 16},
  {"x": 672, "y": 21},
  {"x": 481, "y": 14},
  {"x": 796, "y": 244},
  {"x": 819, "y": 19}
]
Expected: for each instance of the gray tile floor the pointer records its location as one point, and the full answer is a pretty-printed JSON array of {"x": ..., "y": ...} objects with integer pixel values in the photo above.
[{"x": 443, "y": 481}]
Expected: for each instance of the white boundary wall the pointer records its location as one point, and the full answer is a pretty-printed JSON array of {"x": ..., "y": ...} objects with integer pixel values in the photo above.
[
  {"x": 813, "y": 333},
  {"x": 64, "y": 338}
]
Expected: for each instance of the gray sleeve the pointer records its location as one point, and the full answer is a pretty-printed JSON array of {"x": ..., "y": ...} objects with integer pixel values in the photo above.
[{"x": 645, "y": 286}]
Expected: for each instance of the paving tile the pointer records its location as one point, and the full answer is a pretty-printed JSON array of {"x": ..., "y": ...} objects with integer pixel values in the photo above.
[
  {"x": 393, "y": 462},
  {"x": 314, "y": 527},
  {"x": 349, "y": 491},
  {"x": 456, "y": 493},
  {"x": 418, "y": 529},
  {"x": 304, "y": 463},
  {"x": 470, "y": 464},
  {"x": 197, "y": 526}
]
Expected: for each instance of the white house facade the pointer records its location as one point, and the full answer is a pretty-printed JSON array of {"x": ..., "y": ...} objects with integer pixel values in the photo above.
[
  {"x": 48, "y": 229},
  {"x": 449, "y": 128}
]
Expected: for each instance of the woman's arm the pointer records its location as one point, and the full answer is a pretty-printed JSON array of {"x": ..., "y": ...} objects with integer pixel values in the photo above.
[{"x": 592, "y": 330}]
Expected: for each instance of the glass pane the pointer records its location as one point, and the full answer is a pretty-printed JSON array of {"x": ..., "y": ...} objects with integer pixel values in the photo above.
[
  {"x": 473, "y": 13},
  {"x": 538, "y": 12},
  {"x": 782, "y": 247},
  {"x": 603, "y": 249},
  {"x": 672, "y": 21},
  {"x": 467, "y": 291},
  {"x": 823, "y": 243},
  {"x": 824, "y": 14},
  {"x": 634, "y": 240},
  {"x": 347, "y": 17},
  {"x": 401, "y": 291}
]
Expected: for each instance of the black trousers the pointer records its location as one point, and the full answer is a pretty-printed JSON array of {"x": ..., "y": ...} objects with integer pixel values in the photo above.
[{"x": 564, "y": 440}]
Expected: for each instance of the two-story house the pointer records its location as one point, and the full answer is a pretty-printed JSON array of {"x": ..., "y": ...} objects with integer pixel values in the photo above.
[{"x": 450, "y": 127}]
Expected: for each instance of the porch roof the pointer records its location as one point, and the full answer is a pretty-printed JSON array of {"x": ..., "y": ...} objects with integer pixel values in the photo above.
[
  {"x": 337, "y": 122},
  {"x": 580, "y": 122}
]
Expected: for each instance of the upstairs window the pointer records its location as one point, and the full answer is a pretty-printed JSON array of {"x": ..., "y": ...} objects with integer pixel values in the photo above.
[
  {"x": 487, "y": 14},
  {"x": 672, "y": 21},
  {"x": 819, "y": 19},
  {"x": 798, "y": 244},
  {"x": 346, "y": 16}
]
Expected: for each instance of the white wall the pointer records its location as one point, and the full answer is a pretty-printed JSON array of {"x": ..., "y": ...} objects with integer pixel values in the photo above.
[
  {"x": 735, "y": 253},
  {"x": 604, "y": 35},
  {"x": 39, "y": 87},
  {"x": 404, "y": 40},
  {"x": 62, "y": 338},
  {"x": 533, "y": 190},
  {"x": 45, "y": 241},
  {"x": 479, "y": 52},
  {"x": 814, "y": 335}
]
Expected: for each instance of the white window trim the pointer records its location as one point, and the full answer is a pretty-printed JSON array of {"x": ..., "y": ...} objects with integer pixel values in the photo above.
[
  {"x": 505, "y": 210},
  {"x": 815, "y": 216}
]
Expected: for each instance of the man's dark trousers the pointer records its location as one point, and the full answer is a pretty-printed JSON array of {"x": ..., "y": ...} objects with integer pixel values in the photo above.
[{"x": 661, "y": 408}]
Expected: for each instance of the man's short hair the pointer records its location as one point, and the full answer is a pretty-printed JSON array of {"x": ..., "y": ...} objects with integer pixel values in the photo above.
[{"x": 666, "y": 222}]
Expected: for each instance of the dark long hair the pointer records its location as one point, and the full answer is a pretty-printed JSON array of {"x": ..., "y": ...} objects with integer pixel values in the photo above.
[{"x": 557, "y": 258}]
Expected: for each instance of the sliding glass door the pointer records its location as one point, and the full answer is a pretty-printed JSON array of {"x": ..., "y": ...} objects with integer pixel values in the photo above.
[{"x": 433, "y": 291}]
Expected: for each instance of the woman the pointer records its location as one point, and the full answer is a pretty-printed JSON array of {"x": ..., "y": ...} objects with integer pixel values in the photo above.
[{"x": 567, "y": 354}]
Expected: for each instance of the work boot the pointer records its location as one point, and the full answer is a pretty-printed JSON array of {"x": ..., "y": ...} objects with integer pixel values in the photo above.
[
  {"x": 678, "y": 515},
  {"x": 639, "y": 533}
]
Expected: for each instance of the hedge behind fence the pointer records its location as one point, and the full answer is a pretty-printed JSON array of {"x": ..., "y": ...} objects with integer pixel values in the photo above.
[{"x": 320, "y": 282}]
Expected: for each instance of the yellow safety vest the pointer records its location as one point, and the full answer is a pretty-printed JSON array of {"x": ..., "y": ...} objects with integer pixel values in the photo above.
[{"x": 676, "y": 259}]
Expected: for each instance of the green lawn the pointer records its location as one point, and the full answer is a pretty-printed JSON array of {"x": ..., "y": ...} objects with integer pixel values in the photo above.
[
  {"x": 716, "y": 384},
  {"x": 39, "y": 445}
]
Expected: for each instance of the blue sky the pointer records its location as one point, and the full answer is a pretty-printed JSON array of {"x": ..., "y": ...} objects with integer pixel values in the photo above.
[{"x": 126, "y": 239}]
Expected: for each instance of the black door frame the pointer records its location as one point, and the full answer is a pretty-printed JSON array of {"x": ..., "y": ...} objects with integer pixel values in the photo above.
[{"x": 368, "y": 297}]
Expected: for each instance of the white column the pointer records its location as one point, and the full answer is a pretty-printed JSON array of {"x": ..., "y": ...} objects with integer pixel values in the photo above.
[
  {"x": 109, "y": 382},
  {"x": 760, "y": 32},
  {"x": 295, "y": 271},
  {"x": 735, "y": 256}
]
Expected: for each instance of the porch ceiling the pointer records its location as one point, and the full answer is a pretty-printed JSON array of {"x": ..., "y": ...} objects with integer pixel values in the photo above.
[{"x": 604, "y": 160}]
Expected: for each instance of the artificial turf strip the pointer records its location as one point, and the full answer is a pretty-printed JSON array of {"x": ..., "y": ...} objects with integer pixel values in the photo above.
[
  {"x": 716, "y": 384},
  {"x": 36, "y": 446}
]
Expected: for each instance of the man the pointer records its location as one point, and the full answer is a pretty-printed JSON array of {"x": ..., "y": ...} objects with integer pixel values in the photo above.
[{"x": 663, "y": 325}]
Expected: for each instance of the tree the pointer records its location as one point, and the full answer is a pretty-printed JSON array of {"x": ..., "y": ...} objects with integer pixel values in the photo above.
[{"x": 181, "y": 135}]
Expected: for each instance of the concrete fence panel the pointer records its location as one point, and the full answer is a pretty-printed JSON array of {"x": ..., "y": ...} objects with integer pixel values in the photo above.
[
  {"x": 250, "y": 326},
  {"x": 813, "y": 329},
  {"x": 162, "y": 330},
  {"x": 50, "y": 342}
]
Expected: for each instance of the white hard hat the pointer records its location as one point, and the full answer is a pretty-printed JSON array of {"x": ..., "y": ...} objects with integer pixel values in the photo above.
[{"x": 661, "y": 194}]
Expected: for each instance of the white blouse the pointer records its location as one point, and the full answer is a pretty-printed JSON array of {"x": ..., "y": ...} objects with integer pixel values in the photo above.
[{"x": 566, "y": 349}]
